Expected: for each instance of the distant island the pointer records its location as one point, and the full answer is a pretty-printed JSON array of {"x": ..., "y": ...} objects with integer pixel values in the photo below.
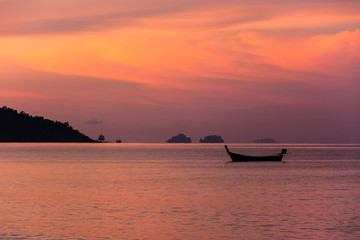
[
  {"x": 212, "y": 139},
  {"x": 181, "y": 138},
  {"x": 22, "y": 127},
  {"x": 265, "y": 140}
]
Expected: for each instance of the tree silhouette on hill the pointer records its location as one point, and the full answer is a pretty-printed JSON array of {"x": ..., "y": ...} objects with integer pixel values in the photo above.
[
  {"x": 101, "y": 138},
  {"x": 22, "y": 127}
]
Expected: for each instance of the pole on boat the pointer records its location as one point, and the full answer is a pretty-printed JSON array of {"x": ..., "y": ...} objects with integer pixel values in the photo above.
[{"x": 226, "y": 148}]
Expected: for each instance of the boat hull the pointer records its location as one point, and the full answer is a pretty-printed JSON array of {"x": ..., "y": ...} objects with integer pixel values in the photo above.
[{"x": 235, "y": 157}]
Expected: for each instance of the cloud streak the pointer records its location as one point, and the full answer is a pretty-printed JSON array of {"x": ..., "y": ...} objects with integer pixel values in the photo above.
[{"x": 54, "y": 17}]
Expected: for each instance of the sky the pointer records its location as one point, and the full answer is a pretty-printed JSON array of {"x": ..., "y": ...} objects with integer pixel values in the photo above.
[{"x": 147, "y": 70}]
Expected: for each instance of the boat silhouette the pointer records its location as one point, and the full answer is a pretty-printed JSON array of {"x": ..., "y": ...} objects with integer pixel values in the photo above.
[{"x": 235, "y": 157}]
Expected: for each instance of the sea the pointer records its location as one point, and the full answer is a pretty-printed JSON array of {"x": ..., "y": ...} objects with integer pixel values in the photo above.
[{"x": 178, "y": 191}]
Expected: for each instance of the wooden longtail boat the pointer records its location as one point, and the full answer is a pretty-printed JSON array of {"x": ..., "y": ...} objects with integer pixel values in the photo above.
[{"x": 235, "y": 157}]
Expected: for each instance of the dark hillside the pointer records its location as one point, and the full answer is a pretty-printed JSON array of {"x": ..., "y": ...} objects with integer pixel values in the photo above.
[{"x": 21, "y": 127}]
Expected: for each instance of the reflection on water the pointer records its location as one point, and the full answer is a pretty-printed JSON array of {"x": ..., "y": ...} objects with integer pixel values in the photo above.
[{"x": 163, "y": 191}]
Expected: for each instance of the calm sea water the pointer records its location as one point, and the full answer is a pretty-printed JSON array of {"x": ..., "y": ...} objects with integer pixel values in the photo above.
[{"x": 180, "y": 191}]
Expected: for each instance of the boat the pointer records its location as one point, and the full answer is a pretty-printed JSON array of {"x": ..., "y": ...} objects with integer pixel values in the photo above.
[{"x": 235, "y": 157}]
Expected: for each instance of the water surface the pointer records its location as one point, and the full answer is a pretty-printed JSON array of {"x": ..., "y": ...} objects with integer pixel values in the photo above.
[{"x": 178, "y": 191}]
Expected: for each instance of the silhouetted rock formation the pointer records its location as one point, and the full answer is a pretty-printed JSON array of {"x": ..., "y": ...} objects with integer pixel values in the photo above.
[
  {"x": 181, "y": 138},
  {"x": 212, "y": 139},
  {"x": 265, "y": 140},
  {"x": 21, "y": 127}
]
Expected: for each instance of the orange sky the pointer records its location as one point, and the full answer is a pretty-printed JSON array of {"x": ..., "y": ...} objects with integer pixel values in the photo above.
[{"x": 144, "y": 71}]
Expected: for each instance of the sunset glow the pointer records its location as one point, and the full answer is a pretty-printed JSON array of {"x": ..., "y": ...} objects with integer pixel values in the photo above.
[{"x": 147, "y": 70}]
